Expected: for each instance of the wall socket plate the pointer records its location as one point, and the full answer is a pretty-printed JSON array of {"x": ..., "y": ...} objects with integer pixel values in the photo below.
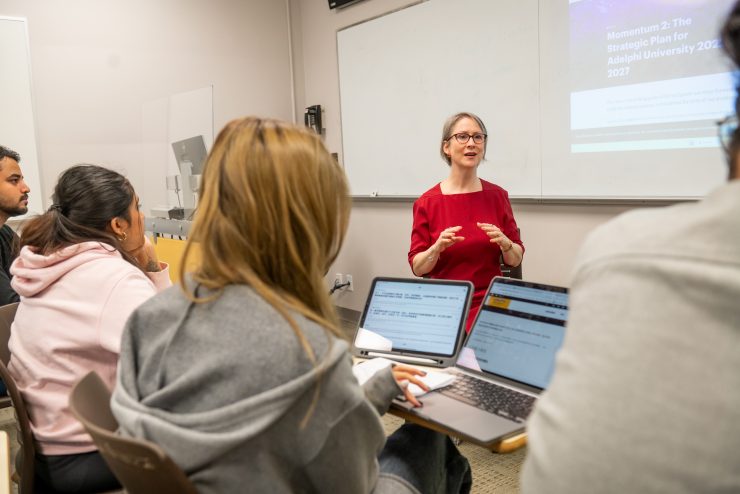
[{"x": 341, "y": 279}]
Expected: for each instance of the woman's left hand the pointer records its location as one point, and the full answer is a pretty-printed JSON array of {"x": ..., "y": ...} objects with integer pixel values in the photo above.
[
  {"x": 405, "y": 374},
  {"x": 146, "y": 256},
  {"x": 497, "y": 236}
]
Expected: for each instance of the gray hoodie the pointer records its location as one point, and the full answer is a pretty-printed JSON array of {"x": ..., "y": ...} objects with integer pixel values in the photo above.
[{"x": 224, "y": 387}]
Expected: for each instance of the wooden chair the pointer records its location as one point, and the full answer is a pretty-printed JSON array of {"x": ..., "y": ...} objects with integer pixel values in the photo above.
[
  {"x": 7, "y": 314},
  {"x": 25, "y": 435},
  {"x": 141, "y": 466},
  {"x": 25, "y": 474}
]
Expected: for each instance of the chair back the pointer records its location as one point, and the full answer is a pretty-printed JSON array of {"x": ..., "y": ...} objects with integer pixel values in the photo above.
[
  {"x": 508, "y": 271},
  {"x": 25, "y": 435},
  {"x": 511, "y": 272},
  {"x": 141, "y": 466},
  {"x": 7, "y": 314}
]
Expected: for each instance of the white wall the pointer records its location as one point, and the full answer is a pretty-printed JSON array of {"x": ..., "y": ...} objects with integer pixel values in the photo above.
[
  {"x": 379, "y": 233},
  {"x": 102, "y": 69}
]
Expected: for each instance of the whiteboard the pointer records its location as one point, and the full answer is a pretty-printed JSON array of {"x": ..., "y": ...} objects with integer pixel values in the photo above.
[
  {"x": 402, "y": 75},
  {"x": 540, "y": 75},
  {"x": 17, "y": 130}
]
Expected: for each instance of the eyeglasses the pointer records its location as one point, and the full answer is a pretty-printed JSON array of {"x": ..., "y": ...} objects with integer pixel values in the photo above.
[
  {"x": 727, "y": 128},
  {"x": 462, "y": 138}
]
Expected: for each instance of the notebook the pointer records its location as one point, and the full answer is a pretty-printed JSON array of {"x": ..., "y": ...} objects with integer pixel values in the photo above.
[
  {"x": 417, "y": 321},
  {"x": 506, "y": 362}
]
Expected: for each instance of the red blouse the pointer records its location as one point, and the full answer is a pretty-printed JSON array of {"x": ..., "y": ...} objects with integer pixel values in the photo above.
[{"x": 474, "y": 259}]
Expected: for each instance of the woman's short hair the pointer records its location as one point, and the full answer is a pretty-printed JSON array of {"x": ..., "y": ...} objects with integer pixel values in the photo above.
[
  {"x": 272, "y": 214},
  {"x": 86, "y": 198},
  {"x": 447, "y": 129}
]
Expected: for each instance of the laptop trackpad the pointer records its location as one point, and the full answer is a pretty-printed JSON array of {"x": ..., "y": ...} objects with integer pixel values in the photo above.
[{"x": 466, "y": 419}]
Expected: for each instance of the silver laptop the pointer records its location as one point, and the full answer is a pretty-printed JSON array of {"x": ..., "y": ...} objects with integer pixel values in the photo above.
[
  {"x": 417, "y": 321},
  {"x": 506, "y": 362}
]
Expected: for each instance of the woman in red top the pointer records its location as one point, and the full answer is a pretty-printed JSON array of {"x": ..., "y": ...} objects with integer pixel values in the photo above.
[{"x": 464, "y": 224}]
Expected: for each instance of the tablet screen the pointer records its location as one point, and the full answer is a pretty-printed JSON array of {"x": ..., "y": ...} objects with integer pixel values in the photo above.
[{"x": 420, "y": 316}]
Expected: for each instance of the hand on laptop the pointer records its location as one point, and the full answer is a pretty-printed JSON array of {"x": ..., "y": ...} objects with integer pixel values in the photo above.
[{"x": 405, "y": 374}]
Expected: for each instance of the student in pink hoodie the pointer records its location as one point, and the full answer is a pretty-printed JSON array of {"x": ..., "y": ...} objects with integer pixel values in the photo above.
[{"x": 84, "y": 266}]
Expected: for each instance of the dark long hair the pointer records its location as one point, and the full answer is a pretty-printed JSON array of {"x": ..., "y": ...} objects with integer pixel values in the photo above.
[{"x": 86, "y": 198}]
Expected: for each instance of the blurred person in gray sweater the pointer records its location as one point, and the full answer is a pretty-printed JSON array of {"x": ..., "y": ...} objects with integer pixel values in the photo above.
[{"x": 645, "y": 395}]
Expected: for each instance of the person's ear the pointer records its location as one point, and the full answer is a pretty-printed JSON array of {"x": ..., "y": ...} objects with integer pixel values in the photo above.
[
  {"x": 119, "y": 226},
  {"x": 446, "y": 148}
]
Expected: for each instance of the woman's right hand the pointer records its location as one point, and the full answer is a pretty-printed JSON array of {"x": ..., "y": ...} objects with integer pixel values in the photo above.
[
  {"x": 425, "y": 261},
  {"x": 446, "y": 238},
  {"x": 404, "y": 375}
]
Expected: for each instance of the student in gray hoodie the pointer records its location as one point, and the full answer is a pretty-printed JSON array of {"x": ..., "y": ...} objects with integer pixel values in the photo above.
[{"x": 241, "y": 373}]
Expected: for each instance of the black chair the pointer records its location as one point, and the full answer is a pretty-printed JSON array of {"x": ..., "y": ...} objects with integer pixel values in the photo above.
[
  {"x": 141, "y": 466},
  {"x": 511, "y": 272},
  {"x": 508, "y": 271}
]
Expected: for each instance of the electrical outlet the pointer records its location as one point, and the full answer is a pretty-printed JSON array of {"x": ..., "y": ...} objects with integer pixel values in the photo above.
[{"x": 351, "y": 286}]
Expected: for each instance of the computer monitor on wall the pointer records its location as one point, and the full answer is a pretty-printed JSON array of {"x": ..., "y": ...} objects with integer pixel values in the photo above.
[{"x": 190, "y": 154}]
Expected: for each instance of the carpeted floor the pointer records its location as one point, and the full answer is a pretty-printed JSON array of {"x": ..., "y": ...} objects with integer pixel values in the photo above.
[{"x": 492, "y": 473}]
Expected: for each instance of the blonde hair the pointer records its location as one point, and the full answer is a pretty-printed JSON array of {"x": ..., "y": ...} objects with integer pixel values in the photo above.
[{"x": 272, "y": 214}]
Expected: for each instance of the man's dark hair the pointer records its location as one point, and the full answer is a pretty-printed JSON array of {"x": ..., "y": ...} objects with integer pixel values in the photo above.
[{"x": 9, "y": 153}]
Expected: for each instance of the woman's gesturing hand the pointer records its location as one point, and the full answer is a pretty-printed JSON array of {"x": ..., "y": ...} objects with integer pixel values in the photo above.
[
  {"x": 425, "y": 261},
  {"x": 447, "y": 237},
  {"x": 496, "y": 236}
]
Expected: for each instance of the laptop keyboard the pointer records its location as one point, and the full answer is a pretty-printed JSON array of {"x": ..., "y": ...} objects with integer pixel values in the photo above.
[{"x": 490, "y": 397}]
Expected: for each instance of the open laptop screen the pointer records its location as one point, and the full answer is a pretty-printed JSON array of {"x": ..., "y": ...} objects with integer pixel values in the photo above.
[
  {"x": 420, "y": 316},
  {"x": 519, "y": 329}
]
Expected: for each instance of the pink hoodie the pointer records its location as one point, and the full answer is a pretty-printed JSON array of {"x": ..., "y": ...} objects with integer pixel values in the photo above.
[{"x": 74, "y": 305}]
